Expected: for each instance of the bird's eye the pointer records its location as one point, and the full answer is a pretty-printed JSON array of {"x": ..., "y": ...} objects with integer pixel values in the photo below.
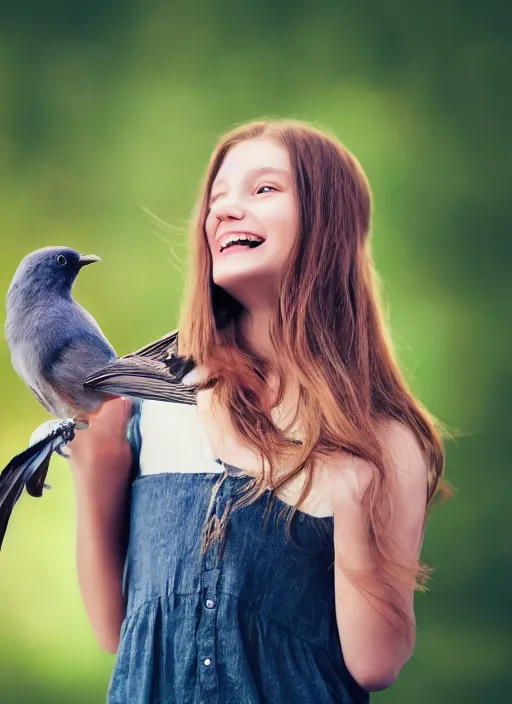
[{"x": 61, "y": 259}]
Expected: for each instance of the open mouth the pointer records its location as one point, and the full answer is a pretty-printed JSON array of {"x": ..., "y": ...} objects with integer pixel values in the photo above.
[{"x": 241, "y": 244}]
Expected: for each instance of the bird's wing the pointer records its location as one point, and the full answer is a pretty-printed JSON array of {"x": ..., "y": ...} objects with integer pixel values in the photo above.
[
  {"x": 72, "y": 363},
  {"x": 165, "y": 350},
  {"x": 160, "y": 349},
  {"x": 139, "y": 377}
]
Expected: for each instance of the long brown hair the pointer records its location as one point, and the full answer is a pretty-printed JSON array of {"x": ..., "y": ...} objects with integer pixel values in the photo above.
[{"x": 329, "y": 326}]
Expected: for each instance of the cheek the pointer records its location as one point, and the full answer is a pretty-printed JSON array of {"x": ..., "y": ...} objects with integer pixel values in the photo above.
[
  {"x": 210, "y": 233},
  {"x": 208, "y": 226},
  {"x": 284, "y": 226}
]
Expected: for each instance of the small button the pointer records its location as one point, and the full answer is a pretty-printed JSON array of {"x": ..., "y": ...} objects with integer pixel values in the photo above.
[
  {"x": 210, "y": 603},
  {"x": 207, "y": 662}
]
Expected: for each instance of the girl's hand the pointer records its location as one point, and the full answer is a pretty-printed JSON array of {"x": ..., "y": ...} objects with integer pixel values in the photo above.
[{"x": 102, "y": 451}]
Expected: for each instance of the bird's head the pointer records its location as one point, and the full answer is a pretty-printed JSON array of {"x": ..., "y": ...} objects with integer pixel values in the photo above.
[{"x": 50, "y": 269}]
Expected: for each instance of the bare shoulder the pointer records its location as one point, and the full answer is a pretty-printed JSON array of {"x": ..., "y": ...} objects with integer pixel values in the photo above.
[
  {"x": 402, "y": 449},
  {"x": 404, "y": 455}
]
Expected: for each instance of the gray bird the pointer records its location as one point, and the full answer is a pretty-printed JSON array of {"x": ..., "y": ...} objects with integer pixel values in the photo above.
[
  {"x": 54, "y": 342},
  {"x": 60, "y": 352}
]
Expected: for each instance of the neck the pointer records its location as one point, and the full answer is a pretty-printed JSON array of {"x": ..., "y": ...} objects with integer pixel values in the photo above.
[
  {"x": 26, "y": 295},
  {"x": 254, "y": 326},
  {"x": 255, "y": 329}
]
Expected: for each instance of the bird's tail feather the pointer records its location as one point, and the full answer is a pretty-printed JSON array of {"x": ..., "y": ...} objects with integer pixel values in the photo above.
[
  {"x": 141, "y": 378},
  {"x": 28, "y": 469},
  {"x": 36, "y": 483}
]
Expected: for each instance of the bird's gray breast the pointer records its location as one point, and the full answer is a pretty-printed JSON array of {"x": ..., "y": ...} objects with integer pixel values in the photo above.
[{"x": 55, "y": 344}]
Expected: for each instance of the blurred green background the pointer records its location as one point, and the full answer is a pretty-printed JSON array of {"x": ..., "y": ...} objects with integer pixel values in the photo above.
[{"x": 110, "y": 109}]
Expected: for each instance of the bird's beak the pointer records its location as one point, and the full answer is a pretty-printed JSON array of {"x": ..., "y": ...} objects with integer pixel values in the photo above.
[{"x": 88, "y": 259}]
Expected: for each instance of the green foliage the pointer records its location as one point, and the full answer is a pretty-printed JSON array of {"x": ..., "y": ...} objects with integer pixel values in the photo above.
[{"x": 110, "y": 109}]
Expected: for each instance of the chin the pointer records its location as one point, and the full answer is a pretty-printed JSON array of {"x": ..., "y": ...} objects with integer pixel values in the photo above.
[{"x": 239, "y": 283}]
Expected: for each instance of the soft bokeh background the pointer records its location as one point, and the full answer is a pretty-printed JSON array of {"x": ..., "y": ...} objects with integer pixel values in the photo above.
[{"x": 109, "y": 109}]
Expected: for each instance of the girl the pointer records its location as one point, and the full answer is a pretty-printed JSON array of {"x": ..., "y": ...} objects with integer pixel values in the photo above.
[{"x": 286, "y": 401}]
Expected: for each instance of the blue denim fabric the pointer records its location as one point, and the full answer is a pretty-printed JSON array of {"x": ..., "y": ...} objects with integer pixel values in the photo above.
[{"x": 251, "y": 622}]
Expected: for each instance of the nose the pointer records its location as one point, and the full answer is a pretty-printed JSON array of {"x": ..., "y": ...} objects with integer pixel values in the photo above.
[{"x": 227, "y": 209}]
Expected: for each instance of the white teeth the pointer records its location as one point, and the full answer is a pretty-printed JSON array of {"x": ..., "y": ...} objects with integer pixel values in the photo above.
[{"x": 238, "y": 238}]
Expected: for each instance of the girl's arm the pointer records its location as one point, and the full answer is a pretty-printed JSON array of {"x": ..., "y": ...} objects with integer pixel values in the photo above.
[
  {"x": 101, "y": 459},
  {"x": 374, "y": 640}
]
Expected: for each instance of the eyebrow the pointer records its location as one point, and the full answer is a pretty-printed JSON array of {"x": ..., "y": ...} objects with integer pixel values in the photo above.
[{"x": 257, "y": 172}]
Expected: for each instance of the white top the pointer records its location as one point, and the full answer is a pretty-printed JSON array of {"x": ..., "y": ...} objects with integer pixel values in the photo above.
[{"x": 176, "y": 439}]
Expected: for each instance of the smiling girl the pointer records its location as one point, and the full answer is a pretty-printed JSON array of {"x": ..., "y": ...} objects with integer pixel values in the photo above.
[{"x": 287, "y": 403}]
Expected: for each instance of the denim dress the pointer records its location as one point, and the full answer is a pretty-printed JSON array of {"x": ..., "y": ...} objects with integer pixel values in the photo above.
[{"x": 251, "y": 621}]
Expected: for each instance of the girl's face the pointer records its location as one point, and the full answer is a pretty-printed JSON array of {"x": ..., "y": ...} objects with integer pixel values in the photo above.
[{"x": 252, "y": 197}]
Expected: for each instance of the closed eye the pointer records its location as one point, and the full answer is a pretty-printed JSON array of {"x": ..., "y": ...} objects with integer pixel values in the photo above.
[{"x": 213, "y": 199}]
